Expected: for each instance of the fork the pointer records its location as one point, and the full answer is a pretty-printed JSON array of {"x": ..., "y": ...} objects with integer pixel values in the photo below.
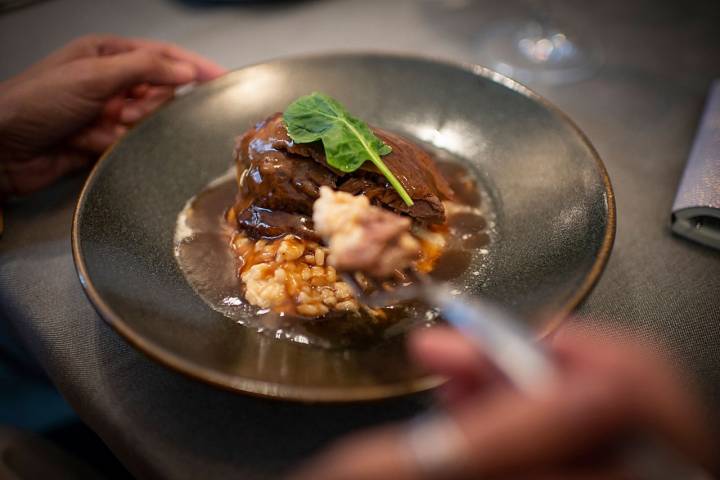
[
  {"x": 509, "y": 344},
  {"x": 505, "y": 340}
]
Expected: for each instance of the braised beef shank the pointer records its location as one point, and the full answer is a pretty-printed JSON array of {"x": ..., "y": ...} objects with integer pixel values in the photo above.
[{"x": 279, "y": 181}]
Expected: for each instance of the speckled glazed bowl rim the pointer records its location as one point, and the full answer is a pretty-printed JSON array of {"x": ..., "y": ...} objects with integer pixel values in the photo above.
[{"x": 289, "y": 392}]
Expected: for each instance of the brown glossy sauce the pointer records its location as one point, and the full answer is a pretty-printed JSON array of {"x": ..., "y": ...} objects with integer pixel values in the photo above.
[
  {"x": 451, "y": 263},
  {"x": 204, "y": 254},
  {"x": 462, "y": 182}
]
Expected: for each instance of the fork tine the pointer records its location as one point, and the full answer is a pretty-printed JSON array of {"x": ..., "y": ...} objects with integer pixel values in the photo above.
[
  {"x": 394, "y": 296},
  {"x": 416, "y": 276},
  {"x": 376, "y": 294},
  {"x": 355, "y": 286}
]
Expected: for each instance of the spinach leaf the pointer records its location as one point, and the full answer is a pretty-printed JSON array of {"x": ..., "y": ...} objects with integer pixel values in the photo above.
[{"x": 348, "y": 141}]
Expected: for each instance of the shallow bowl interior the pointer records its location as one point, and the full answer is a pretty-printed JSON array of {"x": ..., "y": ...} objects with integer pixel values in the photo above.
[{"x": 550, "y": 193}]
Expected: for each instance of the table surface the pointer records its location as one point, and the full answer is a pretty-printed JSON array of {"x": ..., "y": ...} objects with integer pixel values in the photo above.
[{"x": 640, "y": 111}]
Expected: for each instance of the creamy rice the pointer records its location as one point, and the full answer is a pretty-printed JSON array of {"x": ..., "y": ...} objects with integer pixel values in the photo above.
[{"x": 292, "y": 275}]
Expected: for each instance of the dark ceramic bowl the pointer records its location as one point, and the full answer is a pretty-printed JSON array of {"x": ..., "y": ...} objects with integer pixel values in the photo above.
[{"x": 555, "y": 217}]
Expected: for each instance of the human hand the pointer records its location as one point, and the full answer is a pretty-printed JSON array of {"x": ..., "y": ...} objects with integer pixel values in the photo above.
[
  {"x": 605, "y": 394},
  {"x": 64, "y": 111}
]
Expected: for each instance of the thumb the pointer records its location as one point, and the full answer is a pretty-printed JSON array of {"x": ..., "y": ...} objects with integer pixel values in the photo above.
[{"x": 102, "y": 77}]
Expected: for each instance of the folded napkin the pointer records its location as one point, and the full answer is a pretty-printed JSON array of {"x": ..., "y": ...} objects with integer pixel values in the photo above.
[{"x": 696, "y": 212}]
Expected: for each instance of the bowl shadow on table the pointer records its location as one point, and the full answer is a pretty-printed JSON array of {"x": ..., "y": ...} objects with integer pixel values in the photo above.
[{"x": 240, "y": 434}]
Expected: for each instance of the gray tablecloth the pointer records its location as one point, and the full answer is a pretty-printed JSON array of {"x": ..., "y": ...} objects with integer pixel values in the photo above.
[{"x": 640, "y": 111}]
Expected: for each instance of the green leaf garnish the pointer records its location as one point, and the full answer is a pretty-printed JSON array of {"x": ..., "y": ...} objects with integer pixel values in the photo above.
[{"x": 348, "y": 141}]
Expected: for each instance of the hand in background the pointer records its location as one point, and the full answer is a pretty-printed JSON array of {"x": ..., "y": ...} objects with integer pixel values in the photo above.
[
  {"x": 606, "y": 392},
  {"x": 64, "y": 111}
]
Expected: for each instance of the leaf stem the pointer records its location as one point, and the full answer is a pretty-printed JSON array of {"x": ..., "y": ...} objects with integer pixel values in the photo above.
[
  {"x": 387, "y": 173},
  {"x": 374, "y": 158}
]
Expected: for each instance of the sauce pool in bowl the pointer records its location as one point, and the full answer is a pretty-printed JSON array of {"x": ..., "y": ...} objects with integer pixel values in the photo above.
[{"x": 203, "y": 238}]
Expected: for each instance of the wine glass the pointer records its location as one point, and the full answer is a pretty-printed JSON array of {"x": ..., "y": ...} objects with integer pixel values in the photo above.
[
  {"x": 530, "y": 46},
  {"x": 536, "y": 49}
]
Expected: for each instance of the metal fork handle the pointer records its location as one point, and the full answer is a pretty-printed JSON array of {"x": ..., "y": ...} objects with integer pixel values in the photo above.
[{"x": 501, "y": 337}]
